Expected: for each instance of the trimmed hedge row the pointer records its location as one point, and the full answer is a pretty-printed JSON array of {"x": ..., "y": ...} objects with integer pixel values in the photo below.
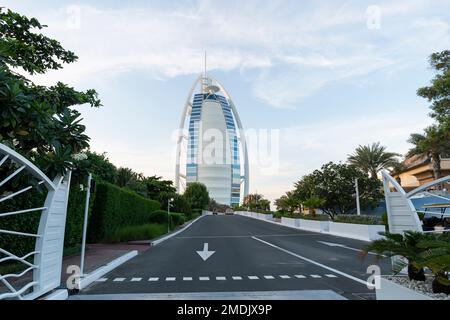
[
  {"x": 115, "y": 208},
  {"x": 355, "y": 219}
]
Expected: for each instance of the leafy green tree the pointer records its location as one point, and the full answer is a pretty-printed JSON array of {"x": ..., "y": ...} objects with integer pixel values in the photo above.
[
  {"x": 438, "y": 93},
  {"x": 125, "y": 177},
  {"x": 334, "y": 183},
  {"x": 98, "y": 165},
  {"x": 181, "y": 205},
  {"x": 155, "y": 186},
  {"x": 197, "y": 195},
  {"x": 38, "y": 121},
  {"x": 256, "y": 202},
  {"x": 434, "y": 143},
  {"x": 373, "y": 158},
  {"x": 288, "y": 203},
  {"x": 313, "y": 203}
]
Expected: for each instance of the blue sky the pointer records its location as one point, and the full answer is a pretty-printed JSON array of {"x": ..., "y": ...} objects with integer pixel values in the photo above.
[{"x": 330, "y": 75}]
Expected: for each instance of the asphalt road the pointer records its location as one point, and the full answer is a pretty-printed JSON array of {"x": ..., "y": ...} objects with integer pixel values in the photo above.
[{"x": 250, "y": 256}]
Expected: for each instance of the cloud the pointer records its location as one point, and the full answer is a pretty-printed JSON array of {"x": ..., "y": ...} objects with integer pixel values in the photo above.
[{"x": 291, "y": 49}]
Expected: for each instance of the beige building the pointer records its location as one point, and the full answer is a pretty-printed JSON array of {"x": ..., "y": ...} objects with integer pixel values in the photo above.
[{"x": 419, "y": 171}]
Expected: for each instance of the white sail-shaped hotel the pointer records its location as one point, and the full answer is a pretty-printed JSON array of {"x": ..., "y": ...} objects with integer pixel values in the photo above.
[{"x": 211, "y": 146}]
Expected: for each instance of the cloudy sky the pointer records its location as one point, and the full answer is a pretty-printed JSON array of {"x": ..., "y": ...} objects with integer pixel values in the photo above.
[{"x": 326, "y": 75}]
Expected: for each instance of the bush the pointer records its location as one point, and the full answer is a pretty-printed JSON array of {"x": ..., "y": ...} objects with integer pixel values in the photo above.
[
  {"x": 177, "y": 219},
  {"x": 196, "y": 213},
  {"x": 115, "y": 208},
  {"x": 133, "y": 233},
  {"x": 158, "y": 216},
  {"x": 355, "y": 219},
  {"x": 317, "y": 217}
]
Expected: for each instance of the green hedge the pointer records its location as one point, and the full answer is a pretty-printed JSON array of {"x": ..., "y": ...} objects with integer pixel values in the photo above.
[
  {"x": 75, "y": 216},
  {"x": 115, "y": 208},
  {"x": 177, "y": 219},
  {"x": 355, "y": 219},
  {"x": 158, "y": 216},
  {"x": 141, "y": 232},
  {"x": 317, "y": 217}
]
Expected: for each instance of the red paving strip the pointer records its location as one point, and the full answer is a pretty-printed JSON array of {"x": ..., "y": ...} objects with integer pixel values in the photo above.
[{"x": 97, "y": 255}]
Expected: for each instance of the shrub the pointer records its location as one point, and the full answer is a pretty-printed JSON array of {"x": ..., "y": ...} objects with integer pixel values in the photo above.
[
  {"x": 115, "y": 208},
  {"x": 355, "y": 219},
  {"x": 177, "y": 219},
  {"x": 196, "y": 213},
  {"x": 317, "y": 217},
  {"x": 133, "y": 233},
  {"x": 158, "y": 216}
]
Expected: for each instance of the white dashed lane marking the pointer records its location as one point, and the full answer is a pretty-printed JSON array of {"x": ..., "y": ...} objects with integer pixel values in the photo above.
[
  {"x": 223, "y": 278},
  {"x": 119, "y": 279}
]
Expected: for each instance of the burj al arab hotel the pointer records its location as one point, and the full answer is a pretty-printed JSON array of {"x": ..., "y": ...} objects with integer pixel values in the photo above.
[{"x": 211, "y": 146}]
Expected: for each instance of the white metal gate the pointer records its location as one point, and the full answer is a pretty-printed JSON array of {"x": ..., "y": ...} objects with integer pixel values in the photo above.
[{"x": 49, "y": 239}]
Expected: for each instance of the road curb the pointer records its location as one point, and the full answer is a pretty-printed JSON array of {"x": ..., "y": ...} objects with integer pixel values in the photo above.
[
  {"x": 100, "y": 272},
  {"x": 156, "y": 242}
]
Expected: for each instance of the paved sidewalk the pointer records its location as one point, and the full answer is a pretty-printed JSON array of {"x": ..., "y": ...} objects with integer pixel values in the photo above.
[{"x": 98, "y": 255}]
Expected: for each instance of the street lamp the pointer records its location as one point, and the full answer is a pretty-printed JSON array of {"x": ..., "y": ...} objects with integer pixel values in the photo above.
[
  {"x": 168, "y": 214},
  {"x": 358, "y": 208}
]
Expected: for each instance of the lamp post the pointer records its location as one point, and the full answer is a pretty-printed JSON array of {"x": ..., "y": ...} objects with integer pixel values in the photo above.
[
  {"x": 168, "y": 214},
  {"x": 86, "y": 212},
  {"x": 358, "y": 209}
]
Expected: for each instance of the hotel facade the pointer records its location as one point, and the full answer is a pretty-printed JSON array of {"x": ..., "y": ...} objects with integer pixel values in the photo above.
[{"x": 211, "y": 146}]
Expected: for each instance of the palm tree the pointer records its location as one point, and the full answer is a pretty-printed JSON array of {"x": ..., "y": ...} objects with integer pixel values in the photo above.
[
  {"x": 434, "y": 143},
  {"x": 125, "y": 176},
  {"x": 372, "y": 158}
]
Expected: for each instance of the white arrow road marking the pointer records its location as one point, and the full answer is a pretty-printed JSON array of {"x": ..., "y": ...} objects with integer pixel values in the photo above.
[
  {"x": 205, "y": 254},
  {"x": 331, "y": 244}
]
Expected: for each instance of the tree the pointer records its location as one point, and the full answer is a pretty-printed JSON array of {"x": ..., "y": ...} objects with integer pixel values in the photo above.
[
  {"x": 334, "y": 183},
  {"x": 197, "y": 195},
  {"x": 434, "y": 143},
  {"x": 98, "y": 165},
  {"x": 38, "y": 121},
  {"x": 157, "y": 189},
  {"x": 439, "y": 91},
  {"x": 373, "y": 158},
  {"x": 313, "y": 203},
  {"x": 181, "y": 205},
  {"x": 256, "y": 201},
  {"x": 125, "y": 176},
  {"x": 288, "y": 203}
]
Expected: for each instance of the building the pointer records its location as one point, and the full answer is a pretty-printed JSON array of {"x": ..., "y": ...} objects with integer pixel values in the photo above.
[
  {"x": 211, "y": 146},
  {"x": 418, "y": 171}
]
